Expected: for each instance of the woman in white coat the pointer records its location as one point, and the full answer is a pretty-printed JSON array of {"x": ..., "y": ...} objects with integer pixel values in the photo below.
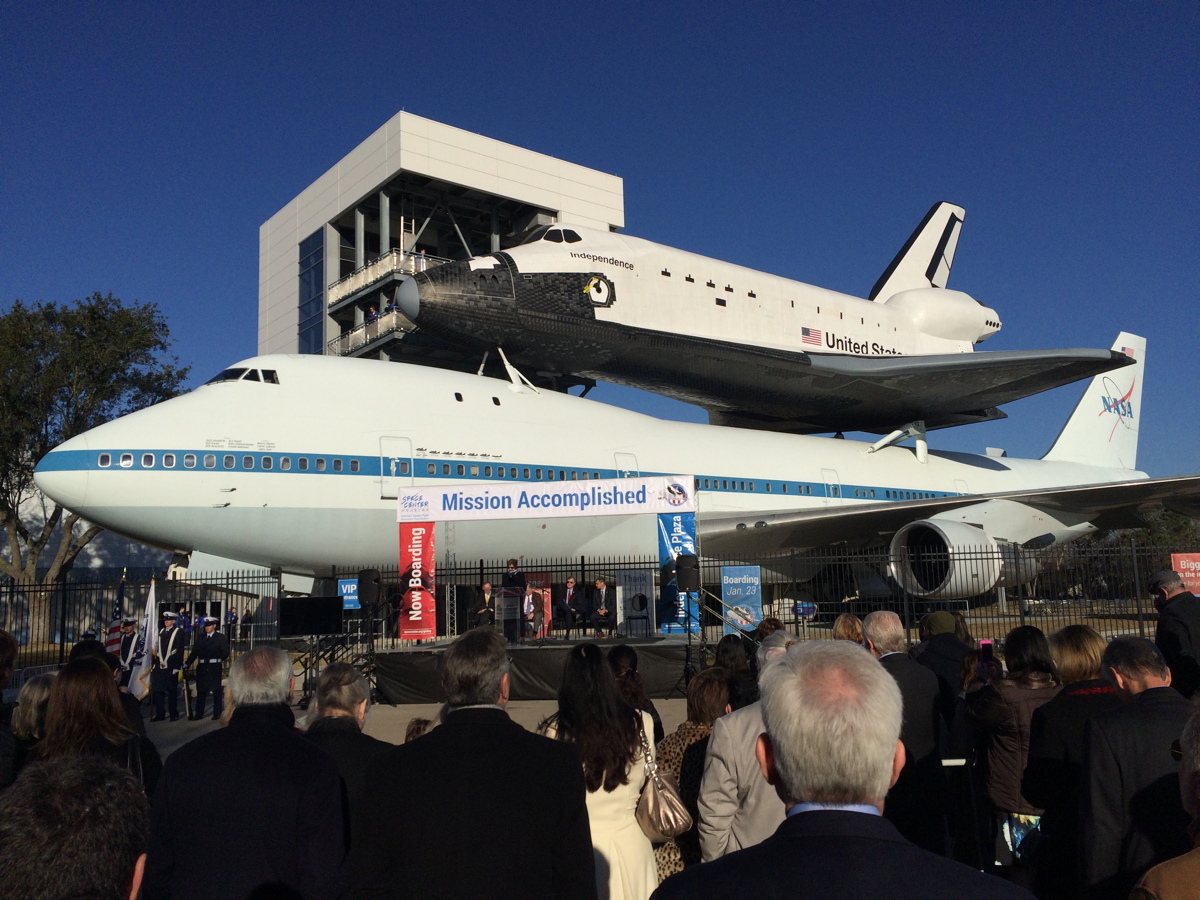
[{"x": 608, "y": 733}]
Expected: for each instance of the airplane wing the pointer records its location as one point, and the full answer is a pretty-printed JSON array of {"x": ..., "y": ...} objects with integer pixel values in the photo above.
[
  {"x": 805, "y": 393},
  {"x": 1105, "y": 505}
]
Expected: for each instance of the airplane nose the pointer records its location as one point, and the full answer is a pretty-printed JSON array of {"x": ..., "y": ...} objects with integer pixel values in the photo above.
[
  {"x": 408, "y": 298},
  {"x": 62, "y": 474}
]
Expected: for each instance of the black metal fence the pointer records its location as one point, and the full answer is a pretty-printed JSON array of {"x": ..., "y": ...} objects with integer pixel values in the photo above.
[{"x": 1103, "y": 586}]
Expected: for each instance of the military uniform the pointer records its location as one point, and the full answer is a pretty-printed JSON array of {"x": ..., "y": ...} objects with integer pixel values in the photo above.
[
  {"x": 209, "y": 652},
  {"x": 127, "y": 652},
  {"x": 164, "y": 677}
]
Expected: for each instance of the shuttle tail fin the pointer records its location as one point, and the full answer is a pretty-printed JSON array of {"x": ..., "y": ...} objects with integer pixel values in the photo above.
[
  {"x": 1103, "y": 429},
  {"x": 926, "y": 257}
]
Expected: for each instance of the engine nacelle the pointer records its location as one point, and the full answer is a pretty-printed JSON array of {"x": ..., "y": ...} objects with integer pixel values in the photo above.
[
  {"x": 947, "y": 314},
  {"x": 947, "y": 560}
]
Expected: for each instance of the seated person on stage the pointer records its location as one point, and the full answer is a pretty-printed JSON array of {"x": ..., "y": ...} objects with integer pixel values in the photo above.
[
  {"x": 484, "y": 612},
  {"x": 604, "y": 608},
  {"x": 572, "y": 605}
]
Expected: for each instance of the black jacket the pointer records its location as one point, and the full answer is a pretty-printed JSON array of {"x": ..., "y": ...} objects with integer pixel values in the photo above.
[
  {"x": 245, "y": 806},
  {"x": 341, "y": 738},
  {"x": 916, "y": 804},
  {"x": 943, "y": 654},
  {"x": 478, "y": 807},
  {"x": 1178, "y": 637},
  {"x": 1131, "y": 814},
  {"x": 1052, "y": 780},
  {"x": 204, "y": 648},
  {"x": 833, "y": 854}
]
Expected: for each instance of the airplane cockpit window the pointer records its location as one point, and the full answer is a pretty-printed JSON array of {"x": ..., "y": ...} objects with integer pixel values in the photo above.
[
  {"x": 252, "y": 375},
  {"x": 270, "y": 376},
  {"x": 227, "y": 375},
  {"x": 554, "y": 236},
  {"x": 571, "y": 236},
  {"x": 533, "y": 235}
]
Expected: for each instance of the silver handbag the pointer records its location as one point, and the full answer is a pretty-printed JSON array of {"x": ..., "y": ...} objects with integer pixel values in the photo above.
[{"x": 660, "y": 811}]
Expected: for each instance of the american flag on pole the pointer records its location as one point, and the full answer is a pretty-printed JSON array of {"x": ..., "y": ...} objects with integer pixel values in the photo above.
[
  {"x": 811, "y": 336},
  {"x": 139, "y": 681},
  {"x": 112, "y": 641}
]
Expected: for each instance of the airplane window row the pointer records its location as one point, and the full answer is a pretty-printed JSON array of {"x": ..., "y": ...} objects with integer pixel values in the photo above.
[
  {"x": 270, "y": 376},
  {"x": 910, "y": 495},
  {"x": 527, "y": 473},
  {"x": 230, "y": 461}
]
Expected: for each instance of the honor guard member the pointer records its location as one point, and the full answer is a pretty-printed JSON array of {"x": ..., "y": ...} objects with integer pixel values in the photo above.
[
  {"x": 209, "y": 652},
  {"x": 128, "y": 650},
  {"x": 168, "y": 662}
]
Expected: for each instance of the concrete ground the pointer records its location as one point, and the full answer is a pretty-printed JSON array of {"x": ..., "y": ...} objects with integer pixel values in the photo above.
[{"x": 389, "y": 722}]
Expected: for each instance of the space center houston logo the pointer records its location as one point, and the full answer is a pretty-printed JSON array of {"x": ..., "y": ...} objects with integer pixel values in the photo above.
[
  {"x": 546, "y": 500},
  {"x": 1115, "y": 403}
]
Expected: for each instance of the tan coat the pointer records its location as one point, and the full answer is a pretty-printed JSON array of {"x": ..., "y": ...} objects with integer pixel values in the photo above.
[{"x": 1175, "y": 879}]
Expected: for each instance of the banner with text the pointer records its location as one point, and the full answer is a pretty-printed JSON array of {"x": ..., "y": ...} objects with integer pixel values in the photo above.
[
  {"x": 679, "y": 610},
  {"x": 418, "y": 606},
  {"x": 1187, "y": 566},
  {"x": 547, "y": 500},
  {"x": 741, "y": 594}
]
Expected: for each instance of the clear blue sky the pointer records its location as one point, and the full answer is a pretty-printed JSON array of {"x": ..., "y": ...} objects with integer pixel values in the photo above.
[{"x": 144, "y": 143}]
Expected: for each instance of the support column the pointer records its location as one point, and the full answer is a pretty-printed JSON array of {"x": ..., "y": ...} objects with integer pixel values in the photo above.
[
  {"x": 385, "y": 223},
  {"x": 495, "y": 247},
  {"x": 360, "y": 239}
]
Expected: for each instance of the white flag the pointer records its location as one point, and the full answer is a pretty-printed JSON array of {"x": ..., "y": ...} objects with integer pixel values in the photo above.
[{"x": 143, "y": 659}]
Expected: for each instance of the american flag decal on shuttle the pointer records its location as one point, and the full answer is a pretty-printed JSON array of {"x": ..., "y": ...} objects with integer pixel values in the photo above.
[{"x": 811, "y": 336}]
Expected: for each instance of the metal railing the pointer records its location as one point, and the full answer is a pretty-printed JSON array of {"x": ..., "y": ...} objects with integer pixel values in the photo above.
[
  {"x": 1101, "y": 586},
  {"x": 384, "y": 324},
  {"x": 394, "y": 262}
]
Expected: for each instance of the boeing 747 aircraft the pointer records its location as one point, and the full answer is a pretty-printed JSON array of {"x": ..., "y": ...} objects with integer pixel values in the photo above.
[
  {"x": 571, "y": 305},
  {"x": 296, "y": 461}
]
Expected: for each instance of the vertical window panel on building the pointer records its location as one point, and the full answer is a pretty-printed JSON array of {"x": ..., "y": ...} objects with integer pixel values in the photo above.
[{"x": 311, "y": 329}]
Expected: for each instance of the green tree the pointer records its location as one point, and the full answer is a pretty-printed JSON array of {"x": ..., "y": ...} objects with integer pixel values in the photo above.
[{"x": 67, "y": 368}]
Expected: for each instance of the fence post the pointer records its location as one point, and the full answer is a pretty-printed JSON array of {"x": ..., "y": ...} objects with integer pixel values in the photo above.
[{"x": 1137, "y": 589}]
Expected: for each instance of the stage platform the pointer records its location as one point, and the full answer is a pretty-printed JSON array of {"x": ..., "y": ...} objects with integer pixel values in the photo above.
[{"x": 413, "y": 675}]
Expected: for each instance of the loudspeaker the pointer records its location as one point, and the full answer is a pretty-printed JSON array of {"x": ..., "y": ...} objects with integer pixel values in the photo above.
[
  {"x": 368, "y": 588},
  {"x": 687, "y": 572}
]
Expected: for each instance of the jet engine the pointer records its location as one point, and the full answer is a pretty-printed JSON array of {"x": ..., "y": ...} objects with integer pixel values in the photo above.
[{"x": 948, "y": 560}]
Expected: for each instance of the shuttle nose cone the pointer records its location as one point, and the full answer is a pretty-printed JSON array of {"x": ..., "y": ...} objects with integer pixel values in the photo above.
[
  {"x": 408, "y": 298},
  {"x": 62, "y": 474}
]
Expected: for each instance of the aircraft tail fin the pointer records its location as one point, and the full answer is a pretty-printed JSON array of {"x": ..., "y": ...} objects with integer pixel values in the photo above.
[
  {"x": 926, "y": 257},
  {"x": 1103, "y": 429}
]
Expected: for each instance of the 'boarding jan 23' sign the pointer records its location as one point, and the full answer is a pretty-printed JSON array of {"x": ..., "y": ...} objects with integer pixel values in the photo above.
[{"x": 547, "y": 500}]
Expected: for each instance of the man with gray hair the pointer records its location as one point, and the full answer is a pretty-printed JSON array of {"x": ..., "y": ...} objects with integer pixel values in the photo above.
[
  {"x": 1131, "y": 814},
  {"x": 478, "y": 807},
  {"x": 737, "y": 808},
  {"x": 832, "y": 750},
  {"x": 253, "y": 807},
  {"x": 917, "y": 803},
  {"x": 1178, "y": 634}
]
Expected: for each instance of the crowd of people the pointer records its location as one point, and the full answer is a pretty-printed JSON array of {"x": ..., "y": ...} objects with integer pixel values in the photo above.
[{"x": 836, "y": 768}]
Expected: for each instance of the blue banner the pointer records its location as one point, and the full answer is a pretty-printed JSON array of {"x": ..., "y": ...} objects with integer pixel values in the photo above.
[
  {"x": 741, "y": 592},
  {"x": 679, "y": 610},
  {"x": 348, "y": 591}
]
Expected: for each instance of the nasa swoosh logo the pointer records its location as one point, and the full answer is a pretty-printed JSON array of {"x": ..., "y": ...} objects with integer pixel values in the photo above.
[{"x": 1113, "y": 402}]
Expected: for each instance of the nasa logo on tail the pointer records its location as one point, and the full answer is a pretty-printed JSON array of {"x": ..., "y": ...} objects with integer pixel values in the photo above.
[
  {"x": 1115, "y": 403},
  {"x": 599, "y": 291}
]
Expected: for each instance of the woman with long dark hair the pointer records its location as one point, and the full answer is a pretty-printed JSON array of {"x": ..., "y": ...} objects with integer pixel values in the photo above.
[
  {"x": 1004, "y": 710},
  {"x": 609, "y": 734},
  {"x": 624, "y": 662},
  {"x": 84, "y": 718}
]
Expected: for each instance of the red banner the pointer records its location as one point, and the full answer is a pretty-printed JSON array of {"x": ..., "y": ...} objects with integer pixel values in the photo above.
[
  {"x": 540, "y": 581},
  {"x": 418, "y": 605},
  {"x": 1187, "y": 565}
]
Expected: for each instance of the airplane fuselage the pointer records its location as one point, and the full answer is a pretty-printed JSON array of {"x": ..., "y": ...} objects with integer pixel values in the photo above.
[{"x": 300, "y": 468}]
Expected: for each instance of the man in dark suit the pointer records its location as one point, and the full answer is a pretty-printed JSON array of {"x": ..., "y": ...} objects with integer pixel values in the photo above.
[
  {"x": 485, "y": 608},
  {"x": 1131, "y": 814},
  {"x": 253, "y": 809},
  {"x": 832, "y": 750},
  {"x": 604, "y": 607},
  {"x": 211, "y": 649},
  {"x": 168, "y": 663},
  {"x": 1178, "y": 634},
  {"x": 916, "y": 805},
  {"x": 478, "y": 807},
  {"x": 571, "y": 602}
]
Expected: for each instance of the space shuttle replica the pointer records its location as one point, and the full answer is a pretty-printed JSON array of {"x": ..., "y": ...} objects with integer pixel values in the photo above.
[{"x": 571, "y": 305}]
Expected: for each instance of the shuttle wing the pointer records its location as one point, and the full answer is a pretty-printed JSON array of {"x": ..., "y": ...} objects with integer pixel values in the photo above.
[
  {"x": 1104, "y": 505},
  {"x": 805, "y": 393}
]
